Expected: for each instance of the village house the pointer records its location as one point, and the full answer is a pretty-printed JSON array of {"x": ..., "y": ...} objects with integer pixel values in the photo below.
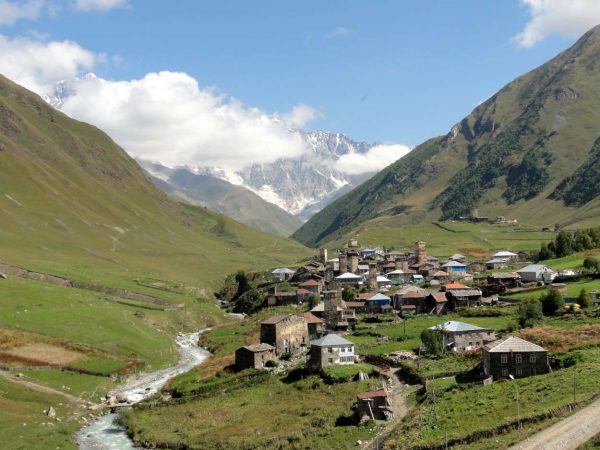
[
  {"x": 455, "y": 268},
  {"x": 276, "y": 297},
  {"x": 288, "y": 333},
  {"x": 374, "y": 405},
  {"x": 315, "y": 326},
  {"x": 476, "y": 267},
  {"x": 514, "y": 356},
  {"x": 396, "y": 277},
  {"x": 437, "y": 303},
  {"x": 536, "y": 272},
  {"x": 459, "y": 258},
  {"x": 311, "y": 285},
  {"x": 507, "y": 279},
  {"x": 349, "y": 279},
  {"x": 282, "y": 274},
  {"x": 462, "y": 337},
  {"x": 506, "y": 255},
  {"x": 496, "y": 263},
  {"x": 302, "y": 295},
  {"x": 383, "y": 283},
  {"x": 410, "y": 296},
  {"x": 331, "y": 350},
  {"x": 377, "y": 302},
  {"x": 254, "y": 356}
]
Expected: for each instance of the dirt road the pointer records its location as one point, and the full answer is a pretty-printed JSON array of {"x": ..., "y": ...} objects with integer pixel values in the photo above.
[{"x": 568, "y": 434}]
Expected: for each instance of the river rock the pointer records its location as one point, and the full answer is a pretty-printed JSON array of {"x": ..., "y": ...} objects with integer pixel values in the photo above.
[{"x": 51, "y": 412}]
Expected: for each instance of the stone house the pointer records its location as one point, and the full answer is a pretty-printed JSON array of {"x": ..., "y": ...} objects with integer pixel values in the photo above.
[
  {"x": 495, "y": 264},
  {"x": 331, "y": 350},
  {"x": 316, "y": 326},
  {"x": 461, "y": 337},
  {"x": 507, "y": 279},
  {"x": 311, "y": 285},
  {"x": 288, "y": 333},
  {"x": 282, "y": 274},
  {"x": 254, "y": 356},
  {"x": 411, "y": 296},
  {"x": 373, "y": 405},
  {"x": 468, "y": 298},
  {"x": 514, "y": 356},
  {"x": 437, "y": 303}
]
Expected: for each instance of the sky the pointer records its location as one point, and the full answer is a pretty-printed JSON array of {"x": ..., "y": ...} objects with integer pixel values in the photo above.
[{"x": 223, "y": 82}]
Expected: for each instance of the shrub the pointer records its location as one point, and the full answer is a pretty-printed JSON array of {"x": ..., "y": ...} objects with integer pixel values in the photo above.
[
  {"x": 530, "y": 312},
  {"x": 552, "y": 302},
  {"x": 584, "y": 300}
]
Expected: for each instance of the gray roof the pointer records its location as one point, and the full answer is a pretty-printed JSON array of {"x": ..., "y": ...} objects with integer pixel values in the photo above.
[
  {"x": 534, "y": 268},
  {"x": 453, "y": 264},
  {"x": 505, "y": 275},
  {"x": 283, "y": 270},
  {"x": 503, "y": 254},
  {"x": 464, "y": 292},
  {"x": 457, "y": 256},
  {"x": 331, "y": 340},
  {"x": 348, "y": 276},
  {"x": 379, "y": 297},
  {"x": 259, "y": 347},
  {"x": 513, "y": 344},
  {"x": 454, "y": 326}
]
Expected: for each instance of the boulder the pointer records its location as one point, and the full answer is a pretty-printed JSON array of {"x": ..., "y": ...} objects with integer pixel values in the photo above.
[{"x": 51, "y": 412}]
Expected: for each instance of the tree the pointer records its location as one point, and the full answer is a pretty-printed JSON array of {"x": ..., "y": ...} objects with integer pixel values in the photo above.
[
  {"x": 348, "y": 294},
  {"x": 552, "y": 302},
  {"x": 529, "y": 313},
  {"x": 433, "y": 341},
  {"x": 243, "y": 284},
  {"x": 584, "y": 300},
  {"x": 545, "y": 252},
  {"x": 313, "y": 300},
  {"x": 564, "y": 244},
  {"x": 591, "y": 264}
]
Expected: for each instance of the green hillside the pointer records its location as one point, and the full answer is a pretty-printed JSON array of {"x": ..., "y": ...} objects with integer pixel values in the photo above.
[
  {"x": 529, "y": 152},
  {"x": 73, "y": 203},
  {"x": 236, "y": 202}
]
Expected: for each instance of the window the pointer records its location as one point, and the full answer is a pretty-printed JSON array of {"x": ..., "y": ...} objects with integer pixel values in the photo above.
[
  {"x": 519, "y": 372},
  {"x": 531, "y": 357},
  {"x": 503, "y": 359},
  {"x": 470, "y": 344},
  {"x": 518, "y": 358},
  {"x": 504, "y": 372},
  {"x": 349, "y": 349},
  {"x": 330, "y": 349},
  {"x": 330, "y": 360}
]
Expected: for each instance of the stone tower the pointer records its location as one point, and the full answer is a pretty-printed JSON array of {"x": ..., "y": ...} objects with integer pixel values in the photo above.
[
  {"x": 323, "y": 255},
  {"x": 421, "y": 253},
  {"x": 343, "y": 262},
  {"x": 373, "y": 287},
  {"x": 353, "y": 257}
]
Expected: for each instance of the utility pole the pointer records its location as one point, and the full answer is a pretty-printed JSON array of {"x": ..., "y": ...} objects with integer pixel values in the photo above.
[
  {"x": 518, "y": 408},
  {"x": 435, "y": 407},
  {"x": 574, "y": 389}
]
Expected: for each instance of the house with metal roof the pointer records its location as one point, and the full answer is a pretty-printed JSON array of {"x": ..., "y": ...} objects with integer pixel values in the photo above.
[
  {"x": 462, "y": 337},
  {"x": 536, "y": 272},
  {"x": 374, "y": 405},
  {"x": 349, "y": 279},
  {"x": 455, "y": 267},
  {"x": 282, "y": 274},
  {"x": 506, "y": 255},
  {"x": 331, "y": 350},
  {"x": 496, "y": 263},
  {"x": 377, "y": 302},
  {"x": 513, "y": 356}
]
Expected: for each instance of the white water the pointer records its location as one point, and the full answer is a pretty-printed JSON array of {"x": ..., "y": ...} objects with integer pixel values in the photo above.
[{"x": 103, "y": 434}]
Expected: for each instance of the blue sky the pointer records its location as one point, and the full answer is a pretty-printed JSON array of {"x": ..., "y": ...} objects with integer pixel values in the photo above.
[{"x": 387, "y": 71}]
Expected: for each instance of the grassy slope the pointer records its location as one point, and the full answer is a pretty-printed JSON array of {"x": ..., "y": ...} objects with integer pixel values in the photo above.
[
  {"x": 72, "y": 203},
  {"x": 549, "y": 113}
]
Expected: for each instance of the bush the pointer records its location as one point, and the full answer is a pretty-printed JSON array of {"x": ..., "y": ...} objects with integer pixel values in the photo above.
[
  {"x": 584, "y": 300},
  {"x": 552, "y": 302},
  {"x": 433, "y": 341},
  {"x": 592, "y": 264},
  {"x": 530, "y": 312}
]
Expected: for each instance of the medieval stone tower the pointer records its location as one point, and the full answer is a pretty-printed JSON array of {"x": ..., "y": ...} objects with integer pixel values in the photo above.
[
  {"x": 343, "y": 262},
  {"x": 323, "y": 255},
  {"x": 421, "y": 253},
  {"x": 373, "y": 287}
]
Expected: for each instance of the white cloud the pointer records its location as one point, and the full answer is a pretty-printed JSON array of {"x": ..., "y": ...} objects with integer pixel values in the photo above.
[
  {"x": 564, "y": 17},
  {"x": 99, "y": 5},
  {"x": 167, "y": 117},
  {"x": 13, "y": 11},
  {"x": 377, "y": 158},
  {"x": 38, "y": 65},
  {"x": 339, "y": 32}
]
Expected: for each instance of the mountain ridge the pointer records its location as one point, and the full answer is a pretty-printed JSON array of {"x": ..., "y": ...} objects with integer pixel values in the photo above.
[{"x": 507, "y": 157}]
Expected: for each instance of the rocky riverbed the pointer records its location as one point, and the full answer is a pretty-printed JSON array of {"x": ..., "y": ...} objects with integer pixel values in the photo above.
[{"x": 102, "y": 433}]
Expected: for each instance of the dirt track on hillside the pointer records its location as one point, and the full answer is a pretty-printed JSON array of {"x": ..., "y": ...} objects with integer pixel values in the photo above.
[{"x": 568, "y": 434}]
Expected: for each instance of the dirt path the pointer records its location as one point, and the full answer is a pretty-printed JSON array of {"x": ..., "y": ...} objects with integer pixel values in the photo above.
[
  {"x": 400, "y": 407},
  {"x": 45, "y": 389},
  {"x": 568, "y": 434}
]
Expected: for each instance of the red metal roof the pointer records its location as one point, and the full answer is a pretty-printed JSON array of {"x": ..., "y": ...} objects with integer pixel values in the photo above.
[
  {"x": 303, "y": 292},
  {"x": 456, "y": 286},
  {"x": 310, "y": 282},
  {"x": 439, "y": 297}
]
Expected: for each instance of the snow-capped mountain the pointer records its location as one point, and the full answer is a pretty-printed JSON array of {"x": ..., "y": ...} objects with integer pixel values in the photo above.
[{"x": 301, "y": 185}]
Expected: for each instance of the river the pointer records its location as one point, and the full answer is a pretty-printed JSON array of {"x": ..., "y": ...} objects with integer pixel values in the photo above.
[{"x": 102, "y": 433}]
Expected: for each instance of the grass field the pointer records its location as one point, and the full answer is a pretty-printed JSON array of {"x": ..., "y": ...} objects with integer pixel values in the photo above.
[
  {"x": 24, "y": 426},
  {"x": 273, "y": 415},
  {"x": 485, "y": 407},
  {"x": 476, "y": 240}
]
